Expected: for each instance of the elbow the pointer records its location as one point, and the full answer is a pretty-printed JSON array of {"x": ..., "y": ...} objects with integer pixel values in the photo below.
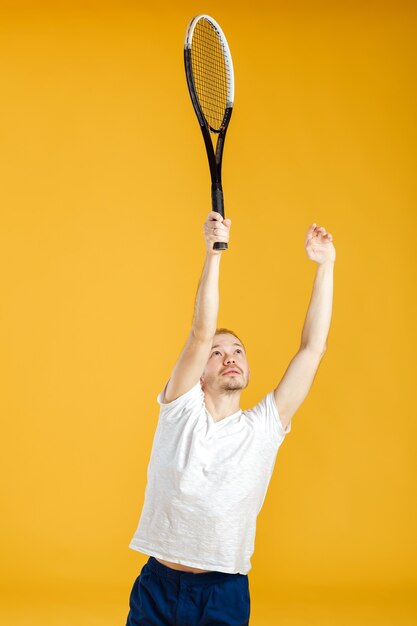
[
  {"x": 204, "y": 336},
  {"x": 317, "y": 349}
]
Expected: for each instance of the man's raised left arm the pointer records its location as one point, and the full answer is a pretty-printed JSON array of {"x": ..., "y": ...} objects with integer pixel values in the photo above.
[{"x": 300, "y": 373}]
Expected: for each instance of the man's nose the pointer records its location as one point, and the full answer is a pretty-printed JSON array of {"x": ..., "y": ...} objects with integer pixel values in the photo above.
[{"x": 228, "y": 359}]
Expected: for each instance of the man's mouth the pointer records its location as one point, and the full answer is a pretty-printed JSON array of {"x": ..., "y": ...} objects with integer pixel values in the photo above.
[{"x": 231, "y": 372}]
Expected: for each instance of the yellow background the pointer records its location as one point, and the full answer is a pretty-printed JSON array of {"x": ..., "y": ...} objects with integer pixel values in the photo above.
[{"x": 104, "y": 189}]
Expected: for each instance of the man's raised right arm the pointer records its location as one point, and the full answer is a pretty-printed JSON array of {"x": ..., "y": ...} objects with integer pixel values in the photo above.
[{"x": 195, "y": 354}]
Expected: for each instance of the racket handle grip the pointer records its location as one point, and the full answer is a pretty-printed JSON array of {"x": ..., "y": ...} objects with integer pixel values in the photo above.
[{"x": 218, "y": 206}]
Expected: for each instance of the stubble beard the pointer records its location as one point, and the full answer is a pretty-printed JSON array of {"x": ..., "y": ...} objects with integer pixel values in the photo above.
[
  {"x": 234, "y": 384},
  {"x": 230, "y": 386}
]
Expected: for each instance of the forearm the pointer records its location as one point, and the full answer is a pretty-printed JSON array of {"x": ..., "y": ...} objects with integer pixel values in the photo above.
[
  {"x": 206, "y": 307},
  {"x": 319, "y": 314}
]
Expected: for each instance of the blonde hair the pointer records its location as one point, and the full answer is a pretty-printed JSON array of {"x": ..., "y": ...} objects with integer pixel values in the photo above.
[{"x": 221, "y": 331}]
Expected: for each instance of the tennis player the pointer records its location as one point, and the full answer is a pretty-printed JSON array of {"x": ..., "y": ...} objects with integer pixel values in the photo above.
[{"x": 211, "y": 462}]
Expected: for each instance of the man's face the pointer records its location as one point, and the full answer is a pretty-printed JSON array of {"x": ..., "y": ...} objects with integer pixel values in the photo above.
[{"x": 227, "y": 354}]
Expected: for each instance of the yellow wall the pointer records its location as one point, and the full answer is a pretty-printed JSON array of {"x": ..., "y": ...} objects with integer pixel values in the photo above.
[{"x": 104, "y": 189}]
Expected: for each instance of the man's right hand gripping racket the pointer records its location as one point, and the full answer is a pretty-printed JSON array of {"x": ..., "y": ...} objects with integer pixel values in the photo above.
[{"x": 209, "y": 71}]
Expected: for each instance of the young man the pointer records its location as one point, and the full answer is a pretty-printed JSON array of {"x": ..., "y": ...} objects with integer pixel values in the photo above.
[{"x": 211, "y": 462}]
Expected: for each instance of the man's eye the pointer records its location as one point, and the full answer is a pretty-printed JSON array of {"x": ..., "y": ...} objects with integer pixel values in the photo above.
[
  {"x": 216, "y": 352},
  {"x": 238, "y": 350}
]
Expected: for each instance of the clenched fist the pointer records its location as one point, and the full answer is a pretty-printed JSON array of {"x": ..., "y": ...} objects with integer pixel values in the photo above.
[
  {"x": 319, "y": 245},
  {"x": 216, "y": 229}
]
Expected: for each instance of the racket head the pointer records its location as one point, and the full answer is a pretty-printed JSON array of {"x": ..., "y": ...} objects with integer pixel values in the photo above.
[{"x": 209, "y": 72}]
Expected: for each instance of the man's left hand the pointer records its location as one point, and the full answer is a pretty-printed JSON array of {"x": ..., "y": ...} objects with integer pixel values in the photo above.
[{"x": 319, "y": 245}]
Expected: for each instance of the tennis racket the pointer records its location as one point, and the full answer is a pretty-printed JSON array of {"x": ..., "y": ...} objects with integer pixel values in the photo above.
[{"x": 210, "y": 79}]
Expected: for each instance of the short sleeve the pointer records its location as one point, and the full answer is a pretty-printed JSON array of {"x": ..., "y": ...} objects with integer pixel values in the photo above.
[
  {"x": 190, "y": 402},
  {"x": 265, "y": 413}
]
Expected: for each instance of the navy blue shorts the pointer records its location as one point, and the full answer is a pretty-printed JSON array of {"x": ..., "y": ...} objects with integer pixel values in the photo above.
[{"x": 162, "y": 596}]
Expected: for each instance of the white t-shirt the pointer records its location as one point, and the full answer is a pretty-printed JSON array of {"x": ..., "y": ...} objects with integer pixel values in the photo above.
[{"x": 207, "y": 482}]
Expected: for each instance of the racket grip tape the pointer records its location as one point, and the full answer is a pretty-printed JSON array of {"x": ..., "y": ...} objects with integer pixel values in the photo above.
[{"x": 217, "y": 204}]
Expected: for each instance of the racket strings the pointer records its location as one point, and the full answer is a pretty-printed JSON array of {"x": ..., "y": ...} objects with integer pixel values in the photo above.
[{"x": 211, "y": 73}]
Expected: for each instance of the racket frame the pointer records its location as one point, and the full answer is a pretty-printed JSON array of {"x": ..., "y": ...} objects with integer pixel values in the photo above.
[{"x": 214, "y": 157}]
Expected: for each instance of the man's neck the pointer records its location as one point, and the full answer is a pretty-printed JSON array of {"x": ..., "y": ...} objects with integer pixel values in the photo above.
[{"x": 221, "y": 405}]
